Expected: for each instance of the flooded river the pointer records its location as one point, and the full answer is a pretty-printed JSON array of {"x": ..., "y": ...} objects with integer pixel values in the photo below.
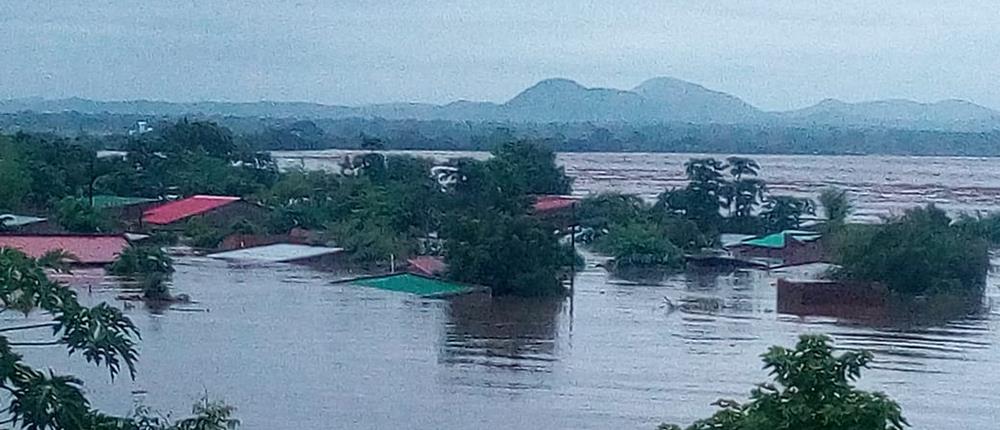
[
  {"x": 878, "y": 185},
  {"x": 293, "y": 351}
]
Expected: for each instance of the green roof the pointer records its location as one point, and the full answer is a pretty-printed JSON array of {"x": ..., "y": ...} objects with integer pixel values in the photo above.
[
  {"x": 413, "y": 284},
  {"x": 777, "y": 240},
  {"x": 106, "y": 201}
]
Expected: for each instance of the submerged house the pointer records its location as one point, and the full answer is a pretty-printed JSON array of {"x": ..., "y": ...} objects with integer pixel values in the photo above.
[
  {"x": 423, "y": 286},
  {"x": 27, "y": 224},
  {"x": 786, "y": 248},
  {"x": 560, "y": 210},
  {"x": 831, "y": 298},
  {"x": 282, "y": 253},
  {"x": 86, "y": 250},
  {"x": 426, "y": 265},
  {"x": 216, "y": 211}
]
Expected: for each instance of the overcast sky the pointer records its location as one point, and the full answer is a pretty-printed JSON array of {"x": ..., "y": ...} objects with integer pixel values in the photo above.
[{"x": 776, "y": 54}]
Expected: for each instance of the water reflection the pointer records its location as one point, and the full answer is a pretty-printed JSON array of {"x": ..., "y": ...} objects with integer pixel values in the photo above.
[{"x": 517, "y": 334}]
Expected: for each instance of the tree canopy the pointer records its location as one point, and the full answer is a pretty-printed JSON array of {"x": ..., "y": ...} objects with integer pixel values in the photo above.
[{"x": 813, "y": 389}]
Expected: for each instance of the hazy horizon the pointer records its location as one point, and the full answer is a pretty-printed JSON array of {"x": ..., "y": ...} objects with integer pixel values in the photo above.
[{"x": 777, "y": 55}]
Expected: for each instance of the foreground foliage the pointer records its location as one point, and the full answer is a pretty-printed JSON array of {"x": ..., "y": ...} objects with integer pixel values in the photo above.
[
  {"x": 101, "y": 334},
  {"x": 813, "y": 389}
]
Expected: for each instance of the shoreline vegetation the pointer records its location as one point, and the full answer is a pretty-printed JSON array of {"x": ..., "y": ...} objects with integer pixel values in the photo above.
[{"x": 479, "y": 217}]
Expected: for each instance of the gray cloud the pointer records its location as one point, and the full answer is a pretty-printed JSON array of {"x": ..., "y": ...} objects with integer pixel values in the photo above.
[{"x": 776, "y": 54}]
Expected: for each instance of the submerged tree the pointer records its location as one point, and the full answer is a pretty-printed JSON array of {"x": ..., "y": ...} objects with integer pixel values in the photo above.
[
  {"x": 920, "y": 252},
  {"x": 835, "y": 205},
  {"x": 813, "y": 389}
]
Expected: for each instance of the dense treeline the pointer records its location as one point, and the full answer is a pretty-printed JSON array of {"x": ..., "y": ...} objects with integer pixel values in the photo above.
[
  {"x": 379, "y": 208},
  {"x": 291, "y": 134}
]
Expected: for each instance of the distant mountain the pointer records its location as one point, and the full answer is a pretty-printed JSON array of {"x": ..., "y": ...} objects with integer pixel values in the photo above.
[
  {"x": 687, "y": 102},
  {"x": 658, "y": 100},
  {"x": 905, "y": 114}
]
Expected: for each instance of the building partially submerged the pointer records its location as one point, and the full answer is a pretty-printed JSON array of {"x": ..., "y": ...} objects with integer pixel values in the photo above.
[
  {"x": 786, "y": 248},
  {"x": 832, "y": 298},
  {"x": 215, "y": 211},
  {"x": 282, "y": 253},
  {"x": 423, "y": 286},
  {"x": 26, "y": 224},
  {"x": 560, "y": 210},
  {"x": 85, "y": 250}
]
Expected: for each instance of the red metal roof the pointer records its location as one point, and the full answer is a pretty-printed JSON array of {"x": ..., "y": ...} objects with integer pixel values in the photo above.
[
  {"x": 87, "y": 249},
  {"x": 553, "y": 203},
  {"x": 180, "y": 209},
  {"x": 427, "y": 265}
]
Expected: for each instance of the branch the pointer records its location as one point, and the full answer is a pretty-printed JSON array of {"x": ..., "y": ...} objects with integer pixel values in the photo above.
[
  {"x": 28, "y": 326},
  {"x": 38, "y": 343}
]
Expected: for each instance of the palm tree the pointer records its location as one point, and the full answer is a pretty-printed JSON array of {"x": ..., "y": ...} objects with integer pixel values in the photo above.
[{"x": 739, "y": 166}]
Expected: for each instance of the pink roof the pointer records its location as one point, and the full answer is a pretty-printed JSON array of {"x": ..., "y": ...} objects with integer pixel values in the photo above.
[
  {"x": 86, "y": 249},
  {"x": 180, "y": 209},
  {"x": 553, "y": 203},
  {"x": 427, "y": 265}
]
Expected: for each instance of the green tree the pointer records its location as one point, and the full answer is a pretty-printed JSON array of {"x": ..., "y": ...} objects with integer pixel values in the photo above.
[
  {"x": 602, "y": 210},
  {"x": 513, "y": 255},
  {"x": 531, "y": 167},
  {"x": 15, "y": 180},
  {"x": 640, "y": 243},
  {"x": 813, "y": 389},
  {"x": 77, "y": 216},
  {"x": 920, "y": 252},
  {"x": 142, "y": 260},
  {"x": 836, "y": 205},
  {"x": 785, "y": 212},
  {"x": 742, "y": 166}
]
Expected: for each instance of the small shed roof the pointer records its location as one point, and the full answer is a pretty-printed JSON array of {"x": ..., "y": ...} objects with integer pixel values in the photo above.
[
  {"x": 414, "y": 284},
  {"x": 427, "y": 265},
  {"x": 11, "y": 220},
  {"x": 177, "y": 210},
  {"x": 544, "y": 204},
  {"x": 107, "y": 201},
  {"x": 88, "y": 249},
  {"x": 277, "y": 253}
]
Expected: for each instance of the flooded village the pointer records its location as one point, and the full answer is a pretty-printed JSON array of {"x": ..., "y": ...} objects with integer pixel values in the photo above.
[
  {"x": 336, "y": 285},
  {"x": 442, "y": 215}
]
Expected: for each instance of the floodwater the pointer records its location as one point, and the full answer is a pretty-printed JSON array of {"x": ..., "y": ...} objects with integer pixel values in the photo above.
[
  {"x": 291, "y": 350},
  {"x": 878, "y": 185}
]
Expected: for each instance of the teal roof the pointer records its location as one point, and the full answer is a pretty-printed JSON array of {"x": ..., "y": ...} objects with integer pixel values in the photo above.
[
  {"x": 107, "y": 201},
  {"x": 413, "y": 284},
  {"x": 778, "y": 240}
]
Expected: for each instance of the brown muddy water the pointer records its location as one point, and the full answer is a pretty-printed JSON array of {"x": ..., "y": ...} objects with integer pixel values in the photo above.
[
  {"x": 293, "y": 351},
  {"x": 878, "y": 185}
]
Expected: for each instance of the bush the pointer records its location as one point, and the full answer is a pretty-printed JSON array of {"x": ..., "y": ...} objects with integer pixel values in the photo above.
[
  {"x": 813, "y": 389},
  {"x": 77, "y": 216},
  {"x": 920, "y": 252},
  {"x": 600, "y": 211},
  {"x": 640, "y": 243},
  {"x": 142, "y": 260}
]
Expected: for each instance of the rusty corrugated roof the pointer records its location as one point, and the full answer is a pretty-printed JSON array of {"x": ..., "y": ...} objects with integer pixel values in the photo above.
[
  {"x": 181, "y": 209},
  {"x": 545, "y": 204},
  {"x": 88, "y": 249}
]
